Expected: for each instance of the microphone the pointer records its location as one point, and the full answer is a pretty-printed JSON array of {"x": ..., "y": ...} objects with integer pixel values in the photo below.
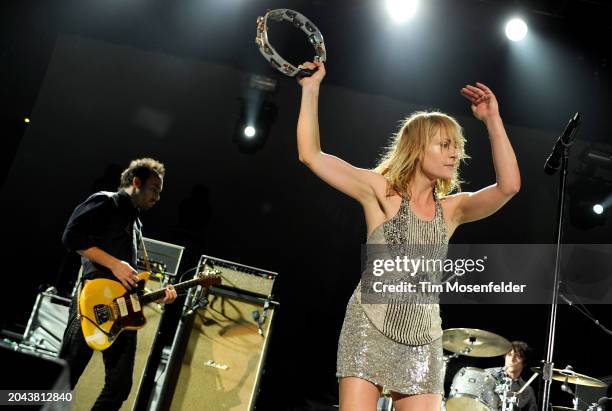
[{"x": 553, "y": 162}]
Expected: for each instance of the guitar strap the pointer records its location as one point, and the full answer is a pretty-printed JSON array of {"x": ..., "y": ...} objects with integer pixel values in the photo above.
[
  {"x": 145, "y": 255},
  {"x": 78, "y": 296}
]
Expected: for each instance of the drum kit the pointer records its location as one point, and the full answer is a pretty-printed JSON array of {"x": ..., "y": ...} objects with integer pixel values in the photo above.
[{"x": 475, "y": 389}]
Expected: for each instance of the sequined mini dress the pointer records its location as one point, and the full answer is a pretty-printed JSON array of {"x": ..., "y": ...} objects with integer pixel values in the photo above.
[{"x": 397, "y": 347}]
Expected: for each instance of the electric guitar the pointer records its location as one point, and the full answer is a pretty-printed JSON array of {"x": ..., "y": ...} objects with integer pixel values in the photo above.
[{"x": 106, "y": 308}]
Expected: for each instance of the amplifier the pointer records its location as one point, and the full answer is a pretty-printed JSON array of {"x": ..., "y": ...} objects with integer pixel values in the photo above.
[
  {"x": 217, "y": 358},
  {"x": 223, "y": 362},
  {"x": 240, "y": 277},
  {"x": 164, "y": 258}
]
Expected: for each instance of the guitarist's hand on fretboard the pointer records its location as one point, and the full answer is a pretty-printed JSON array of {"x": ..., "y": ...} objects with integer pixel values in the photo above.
[
  {"x": 125, "y": 274},
  {"x": 169, "y": 297}
]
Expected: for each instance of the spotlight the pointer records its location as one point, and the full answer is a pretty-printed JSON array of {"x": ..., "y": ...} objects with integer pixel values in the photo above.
[
  {"x": 589, "y": 200},
  {"x": 402, "y": 10},
  {"x": 598, "y": 209},
  {"x": 253, "y": 125},
  {"x": 516, "y": 29},
  {"x": 249, "y": 131},
  {"x": 26, "y": 120}
]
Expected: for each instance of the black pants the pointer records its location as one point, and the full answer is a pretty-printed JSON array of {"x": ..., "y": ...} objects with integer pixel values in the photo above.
[{"x": 118, "y": 362}]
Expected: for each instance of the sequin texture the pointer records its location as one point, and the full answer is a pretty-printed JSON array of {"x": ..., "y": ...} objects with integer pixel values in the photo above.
[{"x": 365, "y": 352}]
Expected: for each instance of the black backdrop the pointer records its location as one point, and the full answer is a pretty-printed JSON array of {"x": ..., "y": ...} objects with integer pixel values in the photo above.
[{"x": 104, "y": 102}]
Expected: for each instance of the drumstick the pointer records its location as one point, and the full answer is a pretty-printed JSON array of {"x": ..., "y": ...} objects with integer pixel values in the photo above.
[{"x": 527, "y": 384}]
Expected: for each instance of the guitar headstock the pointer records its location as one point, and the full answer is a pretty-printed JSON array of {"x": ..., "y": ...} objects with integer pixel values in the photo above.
[{"x": 209, "y": 277}]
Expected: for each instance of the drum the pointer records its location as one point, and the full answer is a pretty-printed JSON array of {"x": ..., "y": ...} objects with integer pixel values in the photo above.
[{"x": 473, "y": 389}]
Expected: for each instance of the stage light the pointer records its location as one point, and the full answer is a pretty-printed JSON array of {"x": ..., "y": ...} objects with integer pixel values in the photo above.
[
  {"x": 588, "y": 203},
  {"x": 253, "y": 125},
  {"x": 263, "y": 83},
  {"x": 402, "y": 10},
  {"x": 26, "y": 120},
  {"x": 516, "y": 29},
  {"x": 249, "y": 131}
]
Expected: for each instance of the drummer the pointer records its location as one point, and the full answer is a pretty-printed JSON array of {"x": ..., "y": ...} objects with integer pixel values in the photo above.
[{"x": 515, "y": 363}]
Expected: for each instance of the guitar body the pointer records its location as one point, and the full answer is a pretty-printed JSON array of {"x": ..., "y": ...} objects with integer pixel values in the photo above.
[{"x": 107, "y": 308}]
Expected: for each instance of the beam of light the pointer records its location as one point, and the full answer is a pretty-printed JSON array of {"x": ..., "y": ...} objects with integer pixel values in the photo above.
[
  {"x": 598, "y": 209},
  {"x": 402, "y": 10},
  {"x": 249, "y": 131},
  {"x": 516, "y": 29}
]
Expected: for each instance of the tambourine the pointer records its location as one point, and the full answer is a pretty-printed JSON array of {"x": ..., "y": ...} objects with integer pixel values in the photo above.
[{"x": 299, "y": 21}]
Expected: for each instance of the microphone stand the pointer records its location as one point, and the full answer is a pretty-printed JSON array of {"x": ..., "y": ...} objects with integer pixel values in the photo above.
[
  {"x": 547, "y": 367},
  {"x": 583, "y": 310}
]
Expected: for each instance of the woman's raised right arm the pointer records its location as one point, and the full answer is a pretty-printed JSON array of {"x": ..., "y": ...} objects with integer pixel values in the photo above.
[{"x": 355, "y": 182}]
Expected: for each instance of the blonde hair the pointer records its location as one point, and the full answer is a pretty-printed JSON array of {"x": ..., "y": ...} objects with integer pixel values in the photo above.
[{"x": 400, "y": 161}]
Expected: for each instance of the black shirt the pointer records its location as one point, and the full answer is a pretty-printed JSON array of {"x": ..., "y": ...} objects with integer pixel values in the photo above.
[{"x": 108, "y": 221}]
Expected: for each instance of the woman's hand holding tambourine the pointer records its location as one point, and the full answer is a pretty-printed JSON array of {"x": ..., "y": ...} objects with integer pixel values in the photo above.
[
  {"x": 276, "y": 60},
  {"x": 316, "y": 78}
]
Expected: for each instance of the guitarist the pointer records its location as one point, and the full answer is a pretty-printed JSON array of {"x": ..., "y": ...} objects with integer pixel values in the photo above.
[{"x": 105, "y": 230}]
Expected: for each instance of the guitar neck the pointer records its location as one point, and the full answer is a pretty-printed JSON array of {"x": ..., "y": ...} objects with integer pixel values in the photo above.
[{"x": 156, "y": 295}]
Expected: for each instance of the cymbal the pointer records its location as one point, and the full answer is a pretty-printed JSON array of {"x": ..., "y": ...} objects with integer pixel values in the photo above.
[
  {"x": 558, "y": 407},
  {"x": 573, "y": 377},
  {"x": 473, "y": 342}
]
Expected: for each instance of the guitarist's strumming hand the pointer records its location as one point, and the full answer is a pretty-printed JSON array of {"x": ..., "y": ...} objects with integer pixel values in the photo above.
[
  {"x": 125, "y": 274},
  {"x": 169, "y": 297}
]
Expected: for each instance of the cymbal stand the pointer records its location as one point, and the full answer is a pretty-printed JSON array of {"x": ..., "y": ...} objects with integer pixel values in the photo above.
[
  {"x": 512, "y": 399},
  {"x": 508, "y": 399},
  {"x": 385, "y": 403},
  {"x": 466, "y": 350},
  {"x": 566, "y": 388},
  {"x": 447, "y": 358}
]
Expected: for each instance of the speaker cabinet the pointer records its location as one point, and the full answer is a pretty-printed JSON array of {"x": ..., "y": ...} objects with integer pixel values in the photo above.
[
  {"x": 92, "y": 380},
  {"x": 223, "y": 362}
]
